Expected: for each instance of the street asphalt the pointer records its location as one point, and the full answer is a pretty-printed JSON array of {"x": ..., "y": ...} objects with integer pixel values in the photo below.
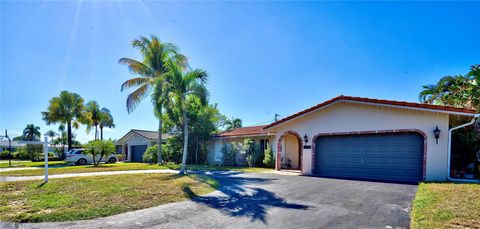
[{"x": 263, "y": 200}]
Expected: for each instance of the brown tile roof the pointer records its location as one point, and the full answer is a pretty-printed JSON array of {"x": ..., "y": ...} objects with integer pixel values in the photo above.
[
  {"x": 152, "y": 135},
  {"x": 375, "y": 101},
  {"x": 244, "y": 131}
]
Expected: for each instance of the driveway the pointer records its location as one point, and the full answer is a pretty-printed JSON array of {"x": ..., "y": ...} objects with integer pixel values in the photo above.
[{"x": 262, "y": 200}]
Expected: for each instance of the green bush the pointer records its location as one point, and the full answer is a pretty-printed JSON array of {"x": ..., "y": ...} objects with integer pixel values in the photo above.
[
  {"x": 35, "y": 152},
  {"x": 120, "y": 157},
  {"x": 5, "y": 155},
  {"x": 172, "y": 150},
  {"x": 229, "y": 151},
  {"x": 268, "y": 158},
  {"x": 151, "y": 155}
]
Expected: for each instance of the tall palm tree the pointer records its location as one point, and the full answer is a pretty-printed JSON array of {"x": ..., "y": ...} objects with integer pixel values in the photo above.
[
  {"x": 150, "y": 72},
  {"x": 93, "y": 116},
  {"x": 51, "y": 134},
  {"x": 233, "y": 123},
  {"x": 182, "y": 87},
  {"x": 105, "y": 121},
  {"x": 67, "y": 108},
  {"x": 31, "y": 132}
]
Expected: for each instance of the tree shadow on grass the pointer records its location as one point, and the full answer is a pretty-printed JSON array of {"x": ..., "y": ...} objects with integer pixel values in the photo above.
[{"x": 241, "y": 198}]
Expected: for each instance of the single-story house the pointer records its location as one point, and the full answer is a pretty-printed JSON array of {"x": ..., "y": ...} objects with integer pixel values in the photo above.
[
  {"x": 134, "y": 144},
  {"x": 362, "y": 138},
  {"x": 236, "y": 137}
]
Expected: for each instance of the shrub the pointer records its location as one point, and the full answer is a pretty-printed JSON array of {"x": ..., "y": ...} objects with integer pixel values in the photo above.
[
  {"x": 120, "y": 157},
  {"x": 268, "y": 158},
  {"x": 250, "y": 150},
  {"x": 35, "y": 152},
  {"x": 5, "y": 155},
  {"x": 172, "y": 150},
  {"x": 229, "y": 151},
  {"x": 151, "y": 155}
]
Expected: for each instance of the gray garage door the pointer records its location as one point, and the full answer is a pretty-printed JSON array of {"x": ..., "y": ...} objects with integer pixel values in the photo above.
[
  {"x": 137, "y": 153},
  {"x": 389, "y": 157}
]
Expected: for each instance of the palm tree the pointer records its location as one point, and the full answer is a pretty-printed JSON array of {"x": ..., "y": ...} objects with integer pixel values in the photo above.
[
  {"x": 151, "y": 71},
  {"x": 67, "y": 109},
  {"x": 182, "y": 87},
  {"x": 233, "y": 123},
  {"x": 93, "y": 116},
  {"x": 105, "y": 121},
  {"x": 51, "y": 134},
  {"x": 31, "y": 133}
]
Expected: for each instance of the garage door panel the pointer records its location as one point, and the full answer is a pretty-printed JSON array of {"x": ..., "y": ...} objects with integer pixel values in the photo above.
[
  {"x": 396, "y": 156},
  {"x": 137, "y": 153}
]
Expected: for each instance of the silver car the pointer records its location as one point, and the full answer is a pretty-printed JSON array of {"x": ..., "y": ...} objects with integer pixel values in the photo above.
[{"x": 78, "y": 157}]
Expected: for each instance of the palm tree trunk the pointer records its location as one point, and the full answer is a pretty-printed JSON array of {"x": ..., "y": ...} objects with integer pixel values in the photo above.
[
  {"x": 159, "y": 151},
  {"x": 101, "y": 133},
  {"x": 69, "y": 135},
  {"x": 96, "y": 133},
  {"x": 185, "y": 141}
]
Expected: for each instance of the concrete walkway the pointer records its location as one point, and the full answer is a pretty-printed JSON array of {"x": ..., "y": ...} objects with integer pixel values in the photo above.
[
  {"x": 19, "y": 168},
  {"x": 67, "y": 175}
]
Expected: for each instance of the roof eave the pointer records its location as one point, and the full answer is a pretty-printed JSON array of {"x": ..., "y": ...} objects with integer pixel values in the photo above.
[{"x": 330, "y": 103}]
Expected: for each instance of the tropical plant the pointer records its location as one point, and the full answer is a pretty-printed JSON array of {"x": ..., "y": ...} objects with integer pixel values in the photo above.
[
  {"x": 31, "y": 133},
  {"x": 106, "y": 120},
  {"x": 151, "y": 155},
  {"x": 181, "y": 87},
  {"x": 459, "y": 90},
  {"x": 51, "y": 134},
  {"x": 249, "y": 150},
  {"x": 99, "y": 148},
  {"x": 268, "y": 157},
  {"x": 229, "y": 152},
  {"x": 150, "y": 73},
  {"x": 233, "y": 123},
  {"x": 93, "y": 117},
  {"x": 67, "y": 108}
]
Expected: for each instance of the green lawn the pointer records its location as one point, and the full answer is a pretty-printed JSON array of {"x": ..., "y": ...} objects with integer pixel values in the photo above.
[
  {"x": 446, "y": 205},
  {"x": 84, "y": 169},
  {"x": 16, "y": 163},
  {"x": 223, "y": 168},
  {"x": 124, "y": 166},
  {"x": 92, "y": 197}
]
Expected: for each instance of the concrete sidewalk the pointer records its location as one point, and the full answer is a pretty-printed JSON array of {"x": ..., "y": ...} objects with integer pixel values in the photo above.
[{"x": 67, "y": 175}]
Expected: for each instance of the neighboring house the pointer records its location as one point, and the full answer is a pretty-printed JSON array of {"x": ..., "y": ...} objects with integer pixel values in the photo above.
[
  {"x": 237, "y": 137},
  {"x": 361, "y": 138},
  {"x": 133, "y": 144},
  {"x": 14, "y": 145}
]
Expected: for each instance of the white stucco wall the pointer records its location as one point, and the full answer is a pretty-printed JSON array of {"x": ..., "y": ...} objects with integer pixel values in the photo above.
[
  {"x": 348, "y": 117},
  {"x": 135, "y": 140}
]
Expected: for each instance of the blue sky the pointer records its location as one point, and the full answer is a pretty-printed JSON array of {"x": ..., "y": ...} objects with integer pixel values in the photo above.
[{"x": 263, "y": 57}]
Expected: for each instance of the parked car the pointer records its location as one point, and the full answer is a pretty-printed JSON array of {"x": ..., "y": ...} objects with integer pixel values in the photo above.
[{"x": 78, "y": 157}]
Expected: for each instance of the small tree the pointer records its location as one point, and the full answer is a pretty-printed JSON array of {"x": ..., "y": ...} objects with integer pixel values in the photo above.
[
  {"x": 99, "y": 148},
  {"x": 151, "y": 155},
  {"x": 268, "y": 158}
]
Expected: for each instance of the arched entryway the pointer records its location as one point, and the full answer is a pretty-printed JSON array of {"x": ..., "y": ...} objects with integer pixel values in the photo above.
[{"x": 289, "y": 152}]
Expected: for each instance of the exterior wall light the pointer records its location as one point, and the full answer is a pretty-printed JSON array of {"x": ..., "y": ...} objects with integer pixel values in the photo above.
[
  {"x": 305, "y": 139},
  {"x": 437, "y": 134}
]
